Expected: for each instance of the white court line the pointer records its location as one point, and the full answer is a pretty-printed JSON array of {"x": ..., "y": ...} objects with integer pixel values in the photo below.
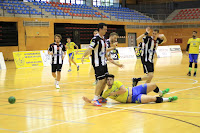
[
  {"x": 42, "y": 86},
  {"x": 132, "y": 107},
  {"x": 79, "y": 119},
  {"x": 59, "y": 90},
  {"x": 161, "y": 110}
]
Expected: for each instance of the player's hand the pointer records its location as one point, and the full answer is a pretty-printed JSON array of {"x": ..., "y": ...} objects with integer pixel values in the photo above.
[
  {"x": 82, "y": 60},
  {"x": 121, "y": 65},
  {"x": 148, "y": 29},
  {"x": 187, "y": 53}
]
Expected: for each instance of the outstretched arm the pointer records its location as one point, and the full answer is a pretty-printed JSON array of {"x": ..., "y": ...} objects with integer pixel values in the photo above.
[
  {"x": 87, "y": 52},
  {"x": 143, "y": 35}
]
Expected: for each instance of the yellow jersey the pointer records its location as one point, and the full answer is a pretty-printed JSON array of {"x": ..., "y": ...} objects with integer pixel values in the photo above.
[
  {"x": 70, "y": 47},
  {"x": 115, "y": 87},
  {"x": 194, "y": 45}
]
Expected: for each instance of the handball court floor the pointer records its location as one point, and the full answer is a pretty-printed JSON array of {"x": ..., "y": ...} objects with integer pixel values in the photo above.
[{"x": 39, "y": 108}]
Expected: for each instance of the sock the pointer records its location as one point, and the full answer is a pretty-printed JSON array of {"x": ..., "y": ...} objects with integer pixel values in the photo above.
[
  {"x": 190, "y": 69},
  {"x": 139, "y": 79},
  {"x": 76, "y": 65},
  {"x": 69, "y": 67},
  {"x": 195, "y": 68},
  {"x": 190, "y": 66},
  {"x": 165, "y": 99},
  {"x": 96, "y": 97},
  {"x": 57, "y": 82},
  {"x": 157, "y": 90}
]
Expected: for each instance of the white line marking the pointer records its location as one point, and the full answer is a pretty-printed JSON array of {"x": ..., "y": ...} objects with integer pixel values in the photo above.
[
  {"x": 81, "y": 119},
  {"x": 162, "y": 110},
  {"x": 132, "y": 107},
  {"x": 41, "y": 86}
]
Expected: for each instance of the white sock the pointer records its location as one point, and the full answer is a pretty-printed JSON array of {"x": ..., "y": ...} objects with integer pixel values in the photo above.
[
  {"x": 57, "y": 82},
  {"x": 96, "y": 97},
  {"x": 76, "y": 65},
  {"x": 160, "y": 92},
  {"x": 69, "y": 67},
  {"x": 165, "y": 99}
]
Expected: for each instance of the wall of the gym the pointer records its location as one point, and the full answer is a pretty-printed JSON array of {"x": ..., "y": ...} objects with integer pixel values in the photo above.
[{"x": 33, "y": 41}]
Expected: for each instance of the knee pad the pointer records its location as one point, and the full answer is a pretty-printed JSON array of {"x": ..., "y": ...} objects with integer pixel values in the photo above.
[
  {"x": 190, "y": 65},
  {"x": 159, "y": 99},
  {"x": 195, "y": 65}
]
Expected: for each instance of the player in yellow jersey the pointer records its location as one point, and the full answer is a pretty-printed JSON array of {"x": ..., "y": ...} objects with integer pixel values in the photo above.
[
  {"x": 70, "y": 51},
  {"x": 193, "y": 47},
  {"x": 138, "y": 94}
]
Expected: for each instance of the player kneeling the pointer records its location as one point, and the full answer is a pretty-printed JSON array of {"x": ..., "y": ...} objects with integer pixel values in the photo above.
[{"x": 138, "y": 94}]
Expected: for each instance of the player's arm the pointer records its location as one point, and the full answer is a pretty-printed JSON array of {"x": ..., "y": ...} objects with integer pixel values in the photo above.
[
  {"x": 64, "y": 52},
  {"x": 112, "y": 48},
  {"x": 87, "y": 52},
  {"x": 188, "y": 46},
  {"x": 145, "y": 34},
  {"x": 76, "y": 48},
  {"x": 50, "y": 50},
  {"x": 115, "y": 63},
  {"x": 122, "y": 90},
  {"x": 162, "y": 36}
]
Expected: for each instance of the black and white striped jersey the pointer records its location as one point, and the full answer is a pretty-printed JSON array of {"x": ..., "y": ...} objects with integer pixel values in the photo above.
[
  {"x": 148, "y": 47},
  {"x": 58, "y": 52},
  {"x": 99, "y": 51}
]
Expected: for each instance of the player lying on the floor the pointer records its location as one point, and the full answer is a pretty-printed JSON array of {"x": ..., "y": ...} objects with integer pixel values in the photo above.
[{"x": 138, "y": 94}]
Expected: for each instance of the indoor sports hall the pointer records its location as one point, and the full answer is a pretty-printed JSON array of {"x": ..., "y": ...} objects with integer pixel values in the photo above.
[{"x": 38, "y": 36}]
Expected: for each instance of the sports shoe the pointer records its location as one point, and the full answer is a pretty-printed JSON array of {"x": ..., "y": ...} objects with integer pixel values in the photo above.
[
  {"x": 195, "y": 74},
  {"x": 174, "y": 98},
  {"x": 96, "y": 103},
  {"x": 164, "y": 92},
  {"x": 57, "y": 86},
  {"x": 102, "y": 100},
  {"x": 189, "y": 74},
  {"x": 69, "y": 70},
  {"x": 135, "y": 82},
  {"x": 77, "y": 68}
]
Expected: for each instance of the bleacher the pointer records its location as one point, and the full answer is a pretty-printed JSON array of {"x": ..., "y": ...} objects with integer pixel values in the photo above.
[
  {"x": 123, "y": 13},
  {"x": 68, "y": 10},
  {"x": 187, "y": 14},
  {"x": 17, "y": 7}
]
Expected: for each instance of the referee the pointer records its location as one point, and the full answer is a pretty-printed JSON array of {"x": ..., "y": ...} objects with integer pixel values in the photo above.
[{"x": 58, "y": 52}]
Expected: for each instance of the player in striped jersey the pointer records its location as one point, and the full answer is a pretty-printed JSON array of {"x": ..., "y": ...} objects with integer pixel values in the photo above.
[
  {"x": 149, "y": 45},
  {"x": 58, "y": 52}
]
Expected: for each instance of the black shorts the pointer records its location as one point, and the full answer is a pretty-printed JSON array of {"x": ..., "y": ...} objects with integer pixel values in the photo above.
[
  {"x": 147, "y": 66},
  {"x": 101, "y": 72},
  {"x": 56, "y": 67}
]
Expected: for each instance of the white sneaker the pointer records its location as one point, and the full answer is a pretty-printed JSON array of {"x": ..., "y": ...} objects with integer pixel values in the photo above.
[{"x": 57, "y": 86}]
